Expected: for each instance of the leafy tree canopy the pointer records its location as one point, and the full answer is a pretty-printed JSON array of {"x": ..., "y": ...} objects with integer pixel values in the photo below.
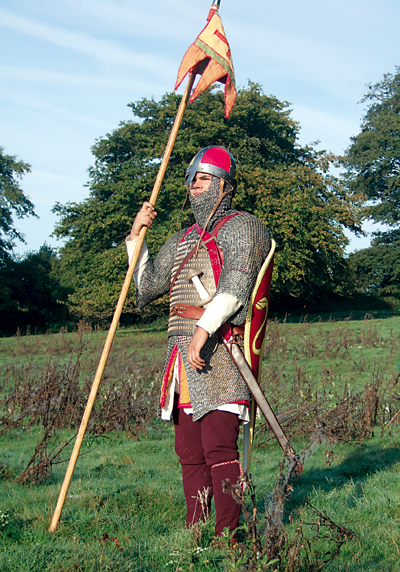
[
  {"x": 373, "y": 159},
  {"x": 287, "y": 186},
  {"x": 377, "y": 269},
  {"x": 12, "y": 202},
  {"x": 30, "y": 295}
]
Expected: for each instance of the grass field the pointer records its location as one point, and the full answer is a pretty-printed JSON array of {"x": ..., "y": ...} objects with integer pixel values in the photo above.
[{"x": 333, "y": 384}]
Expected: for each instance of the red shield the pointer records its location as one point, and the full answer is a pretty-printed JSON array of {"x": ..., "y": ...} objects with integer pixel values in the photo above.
[
  {"x": 256, "y": 320},
  {"x": 254, "y": 335}
]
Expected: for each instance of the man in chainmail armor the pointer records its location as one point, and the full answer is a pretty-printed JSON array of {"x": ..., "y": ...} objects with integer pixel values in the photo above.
[{"x": 201, "y": 389}]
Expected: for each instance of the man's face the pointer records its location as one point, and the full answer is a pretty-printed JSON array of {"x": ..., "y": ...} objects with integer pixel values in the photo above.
[{"x": 200, "y": 184}]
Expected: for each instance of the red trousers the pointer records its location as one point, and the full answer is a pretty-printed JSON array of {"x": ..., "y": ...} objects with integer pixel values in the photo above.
[{"x": 201, "y": 447}]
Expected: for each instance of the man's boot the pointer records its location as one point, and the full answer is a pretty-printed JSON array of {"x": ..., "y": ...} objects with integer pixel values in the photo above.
[{"x": 227, "y": 509}]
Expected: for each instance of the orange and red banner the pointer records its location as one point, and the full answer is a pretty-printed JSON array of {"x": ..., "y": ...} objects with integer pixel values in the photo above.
[{"x": 211, "y": 43}]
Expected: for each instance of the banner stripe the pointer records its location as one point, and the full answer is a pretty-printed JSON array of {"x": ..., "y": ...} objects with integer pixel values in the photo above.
[{"x": 214, "y": 56}]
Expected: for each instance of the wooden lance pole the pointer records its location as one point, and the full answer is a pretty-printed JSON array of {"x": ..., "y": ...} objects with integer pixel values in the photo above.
[{"x": 118, "y": 309}]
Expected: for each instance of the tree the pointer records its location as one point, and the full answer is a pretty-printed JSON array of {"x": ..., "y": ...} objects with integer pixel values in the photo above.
[
  {"x": 12, "y": 201},
  {"x": 287, "y": 186},
  {"x": 373, "y": 158},
  {"x": 373, "y": 170},
  {"x": 377, "y": 269},
  {"x": 30, "y": 295}
]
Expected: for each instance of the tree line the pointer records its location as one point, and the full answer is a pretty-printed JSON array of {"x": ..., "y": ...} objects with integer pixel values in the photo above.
[{"x": 290, "y": 187}]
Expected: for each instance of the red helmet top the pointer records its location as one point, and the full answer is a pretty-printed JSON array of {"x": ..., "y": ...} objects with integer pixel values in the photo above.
[{"x": 213, "y": 160}]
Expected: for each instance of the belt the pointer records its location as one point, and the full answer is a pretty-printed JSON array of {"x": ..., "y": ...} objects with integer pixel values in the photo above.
[{"x": 194, "y": 313}]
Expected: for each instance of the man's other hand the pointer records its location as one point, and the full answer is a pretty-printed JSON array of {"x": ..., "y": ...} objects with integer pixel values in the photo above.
[{"x": 193, "y": 355}]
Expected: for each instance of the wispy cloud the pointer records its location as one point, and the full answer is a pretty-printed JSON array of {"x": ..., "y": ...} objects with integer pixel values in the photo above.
[
  {"x": 106, "y": 51},
  {"x": 305, "y": 59},
  {"x": 112, "y": 82},
  {"x": 47, "y": 188},
  {"x": 39, "y": 105},
  {"x": 315, "y": 118},
  {"x": 335, "y": 46},
  {"x": 153, "y": 20},
  {"x": 333, "y": 132}
]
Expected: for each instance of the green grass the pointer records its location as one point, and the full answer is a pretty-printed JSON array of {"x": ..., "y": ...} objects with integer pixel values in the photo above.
[
  {"x": 125, "y": 507},
  {"x": 335, "y": 352}
]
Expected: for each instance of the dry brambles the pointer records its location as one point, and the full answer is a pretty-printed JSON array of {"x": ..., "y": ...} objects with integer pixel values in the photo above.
[{"x": 323, "y": 407}]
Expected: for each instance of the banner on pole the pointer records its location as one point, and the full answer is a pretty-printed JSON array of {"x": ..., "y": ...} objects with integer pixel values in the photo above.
[{"x": 212, "y": 48}]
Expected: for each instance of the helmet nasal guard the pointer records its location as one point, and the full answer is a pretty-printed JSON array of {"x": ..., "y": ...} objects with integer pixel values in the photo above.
[{"x": 213, "y": 160}]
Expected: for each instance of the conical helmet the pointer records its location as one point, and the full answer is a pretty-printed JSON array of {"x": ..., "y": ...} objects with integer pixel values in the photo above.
[{"x": 213, "y": 160}]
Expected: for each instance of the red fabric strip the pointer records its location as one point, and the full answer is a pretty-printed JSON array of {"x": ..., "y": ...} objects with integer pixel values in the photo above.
[
  {"x": 221, "y": 37},
  {"x": 164, "y": 385},
  {"x": 211, "y": 13}
]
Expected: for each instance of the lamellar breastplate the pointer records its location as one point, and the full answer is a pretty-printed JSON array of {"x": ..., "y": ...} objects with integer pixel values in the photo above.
[{"x": 184, "y": 291}]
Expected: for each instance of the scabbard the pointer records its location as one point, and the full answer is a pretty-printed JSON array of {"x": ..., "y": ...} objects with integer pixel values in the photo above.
[{"x": 262, "y": 402}]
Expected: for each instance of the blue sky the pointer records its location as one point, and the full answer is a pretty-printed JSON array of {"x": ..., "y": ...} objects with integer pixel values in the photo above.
[{"x": 69, "y": 68}]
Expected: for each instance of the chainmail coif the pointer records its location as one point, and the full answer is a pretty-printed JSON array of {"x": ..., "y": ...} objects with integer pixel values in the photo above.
[{"x": 203, "y": 204}]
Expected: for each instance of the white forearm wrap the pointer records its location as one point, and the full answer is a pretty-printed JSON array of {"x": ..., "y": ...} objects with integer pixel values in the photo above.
[
  {"x": 143, "y": 257},
  {"x": 218, "y": 311}
]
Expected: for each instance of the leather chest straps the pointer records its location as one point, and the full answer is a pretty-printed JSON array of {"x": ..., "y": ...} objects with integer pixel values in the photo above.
[{"x": 216, "y": 257}]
